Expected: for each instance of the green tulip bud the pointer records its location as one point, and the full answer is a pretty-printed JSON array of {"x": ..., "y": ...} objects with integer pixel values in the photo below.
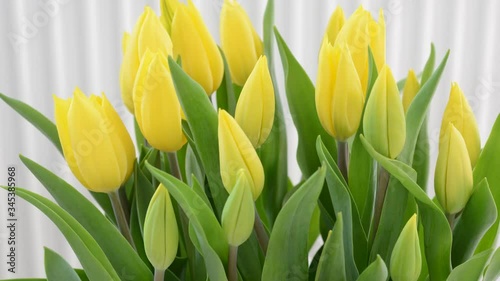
[{"x": 406, "y": 259}]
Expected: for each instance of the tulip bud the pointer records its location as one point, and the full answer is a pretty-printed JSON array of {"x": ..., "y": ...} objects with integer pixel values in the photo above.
[
  {"x": 199, "y": 54},
  {"x": 237, "y": 153},
  {"x": 238, "y": 214},
  {"x": 239, "y": 41},
  {"x": 406, "y": 259},
  {"x": 459, "y": 113},
  {"x": 255, "y": 107},
  {"x": 384, "y": 120},
  {"x": 335, "y": 24},
  {"x": 377, "y": 39},
  {"x": 95, "y": 142},
  {"x": 410, "y": 90},
  {"x": 168, "y": 8},
  {"x": 149, "y": 34},
  {"x": 339, "y": 97},
  {"x": 453, "y": 177},
  {"x": 157, "y": 109},
  {"x": 161, "y": 236}
]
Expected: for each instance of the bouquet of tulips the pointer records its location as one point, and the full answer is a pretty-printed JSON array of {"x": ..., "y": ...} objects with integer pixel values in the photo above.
[{"x": 204, "y": 192}]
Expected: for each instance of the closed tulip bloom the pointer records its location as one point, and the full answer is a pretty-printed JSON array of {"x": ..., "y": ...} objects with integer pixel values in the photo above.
[
  {"x": 168, "y": 8},
  {"x": 95, "y": 142},
  {"x": 239, "y": 41},
  {"x": 237, "y": 153},
  {"x": 255, "y": 107},
  {"x": 157, "y": 109},
  {"x": 197, "y": 49},
  {"x": 459, "y": 113},
  {"x": 410, "y": 90},
  {"x": 238, "y": 214},
  {"x": 161, "y": 236},
  {"x": 406, "y": 259},
  {"x": 377, "y": 39},
  {"x": 384, "y": 119},
  {"x": 453, "y": 177},
  {"x": 149, "y": 34},
  {"x": 339, "y": 97},
  {"x": 335, "y": 24}
]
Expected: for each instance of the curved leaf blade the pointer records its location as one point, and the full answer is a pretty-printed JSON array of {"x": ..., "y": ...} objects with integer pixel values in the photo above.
[
  {"x": 332, "y": 261},
  {"x": 56, "y": 268},
  {"x": 493, "y": 271},
  {"x": 471, "y": 269},
  {"x": 376, "y": 271}
]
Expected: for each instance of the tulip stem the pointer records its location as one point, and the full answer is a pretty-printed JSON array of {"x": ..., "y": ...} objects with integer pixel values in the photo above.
[
  {"x": 174, "y": 165},
  {"x": 159, "y": 275},
  {"x": 451, "y": 220},
  {"x": 120, "y": 217},
  {"x": 260, "y": 230},
  {"x": 232, "y": 263},
  {"x": 343, "y": 158},
  {"x": 382, "y": 181}
]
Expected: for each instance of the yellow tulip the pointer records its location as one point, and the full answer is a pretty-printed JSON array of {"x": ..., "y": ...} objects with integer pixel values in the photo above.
[
  {"x": 339, "y": 97},
  {"x": 255, "y": 107},
  {"x": 157, "y": 109},
  {"x": 377, "y": 39},
  {"x": 95, "y": 142},
  {"x": 335, "y": 24},
  {"x": 149, "y": 34},
  {"x": 197, "y": 49},
  {"x": 237, "y": 153},
  {"x": 168, "y": 8},
  {"x": 238, "y": 214},
  {"x": 239, "y": 41},
  {"x": 406, "y": 259},
  {"x": 459, "y": 113},
  {"x": 384, "y": 119},
  {"x": 161, "y": 236},
  {"x": 453, "y": 177},
  {"x": 410, "y": 90}
]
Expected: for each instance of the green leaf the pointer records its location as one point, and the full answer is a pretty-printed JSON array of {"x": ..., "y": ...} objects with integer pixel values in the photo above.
[
  {"x": 37, "y": 119},
  {"x": 81, "y": 273},
  {"x": 332, "y": 262},
  {"x": 139, "y": 137},
  {"x": 143, "y": 192},
  {"x": 355, "y": 242},
  {"x": 88, "y": 217},
  {"x": 471, "y": 269},
  {"x": 429, "y": 66},
  {"x": 56, "y": 268},
  {"x": 193, "y": 169},
  {"x": 90, "y": 255},
  {"x": 469, "y": 229},
  {"x": 226, "y": 98},
  {"x": 284, "y": 262},
  {"x": 376, "y": 271},
  {"x": 487, "y": 167},
  {"x": 300, "y": 95},
  {"x": 492, "y": 273},
  {"x": 202, "y": 120},
  {"x": 136, "y": 232},
  {"x": 437, "y": 232}
]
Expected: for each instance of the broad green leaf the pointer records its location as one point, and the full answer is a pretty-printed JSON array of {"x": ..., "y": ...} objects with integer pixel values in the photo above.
[
  {"x": 492, "y": 273},
  {"x": 56, "y": 268},
  {"x": 136, "y": 232},
  {"x": 90, "y": 255},
  {"x": 355, "y": 242},
  {"x": 199, "y": 190},
  {"x": 226, "y": 98},
  {"x": 143, "y": 193},
  {"x": 376, "y": 271},
  {"x": 37, "y": 119},
  {"x": 487, "y": 167},
  {"x": 284, "y": 261},
  {"x": 472, "y": 269},
  {"x": 437, "y": 232},
  {"x": 300, "y": 95},
  {"x": 332, "y": 261},
  {"x": 477, "y": 217},
  {"x": 81, "y": 273},
  {"x": 88, "y": 217},
  {"x": 202, "y": 120},
  {"x": 429, "y": 66}
]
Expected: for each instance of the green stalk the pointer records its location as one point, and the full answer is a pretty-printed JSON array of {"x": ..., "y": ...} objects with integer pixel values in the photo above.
[
  {"x": 261, "y": 232},
  {"x": 120, "y": 217},
  {"x": 343, "y": 158},
  {"x": 159, "y": 275},
  {"x": 232, "y": 267},
  {"x": 382, "y": 182}
]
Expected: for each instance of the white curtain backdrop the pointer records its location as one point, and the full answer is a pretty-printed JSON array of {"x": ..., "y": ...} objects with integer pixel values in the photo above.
[{"x": 51, "y": 46}]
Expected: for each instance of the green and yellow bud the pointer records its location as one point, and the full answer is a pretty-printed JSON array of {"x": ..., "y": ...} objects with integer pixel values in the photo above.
[
  {"x": 168, "y": 8},
  {"x": 453, "y": 181},
  {"x": 459, "y": 113},
  {"x": 255, "y": 107},
  {"x": 239, "y": 41},
  {"x": 384, "y": 119},
  {"x": 157, "y": 109},
  {"x": 236, "y": 153},
  {"x": 199, "y": 54},
  {"x": 95, "y": 142},
  {"x": 339, "y": 96},
  {"x": 406, "y": 259},
  {"x": 161, "y": 236},
  {"x": 238, "y": 214},
  {"x": 335, "y": 24},
  {"x": 410, "y": 90},
  {"x": 148, "y": 34}
]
